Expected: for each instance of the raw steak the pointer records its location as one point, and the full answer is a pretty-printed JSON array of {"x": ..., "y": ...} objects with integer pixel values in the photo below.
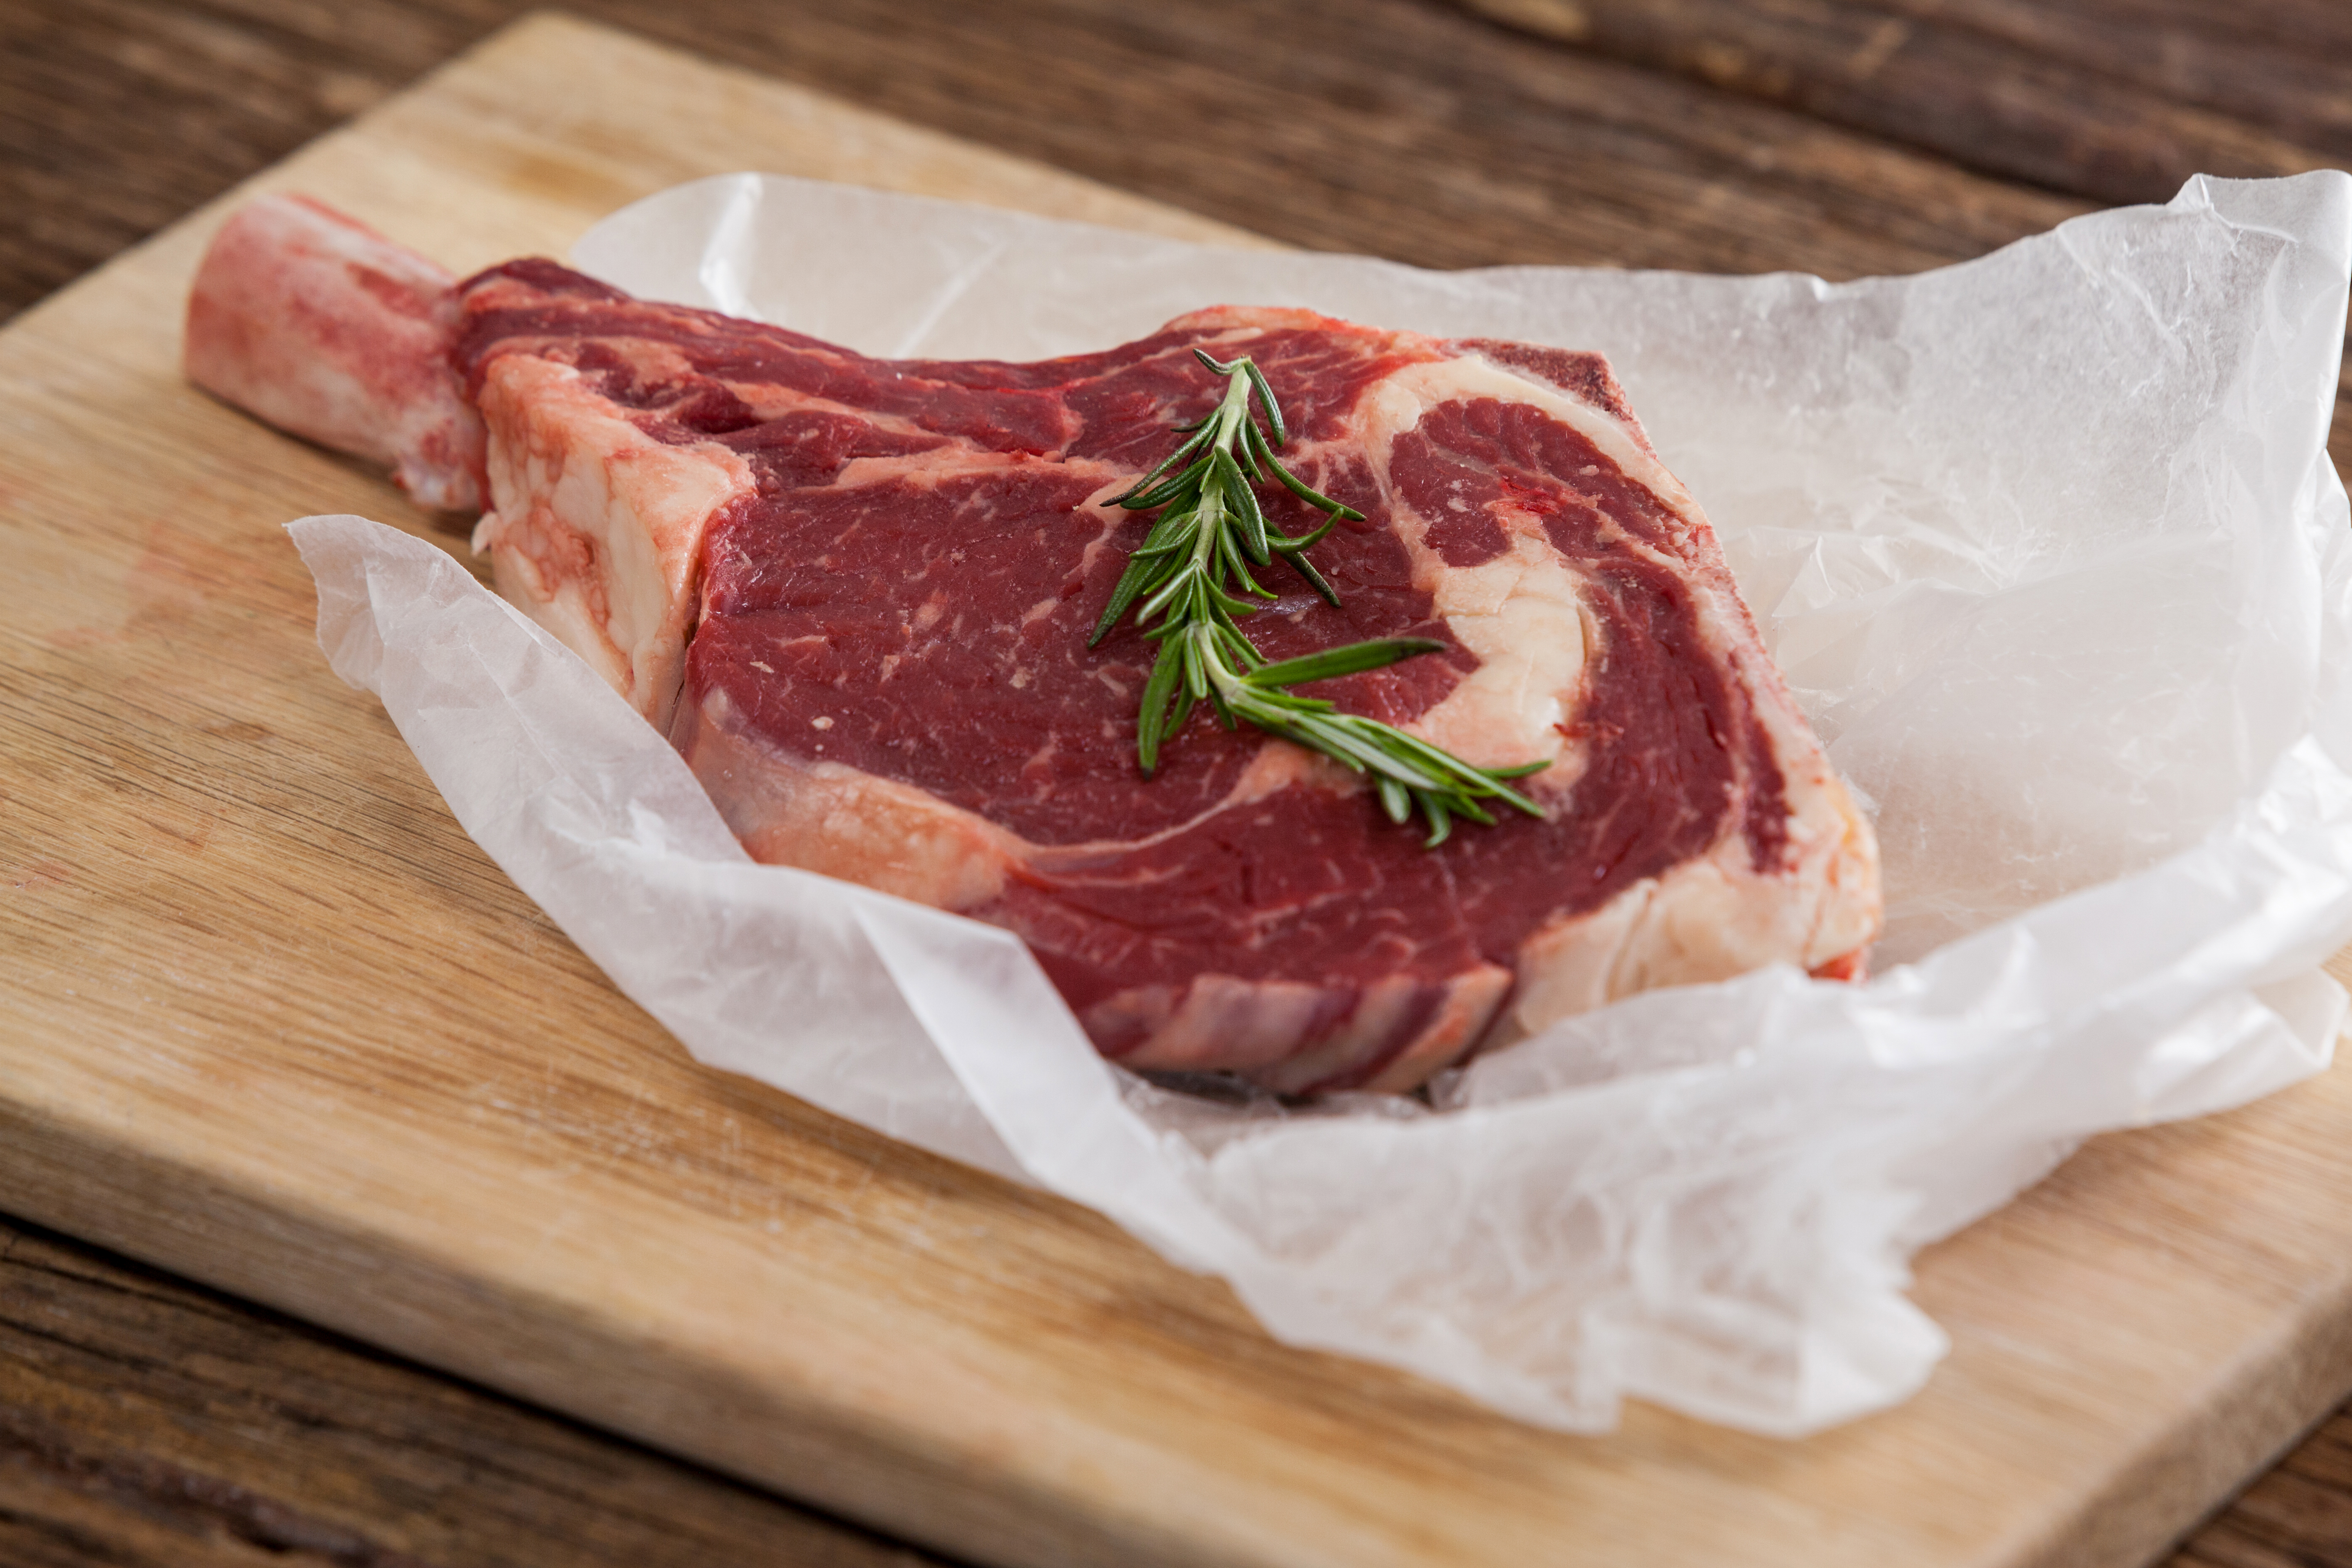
[{"x": 856, "y": 595}]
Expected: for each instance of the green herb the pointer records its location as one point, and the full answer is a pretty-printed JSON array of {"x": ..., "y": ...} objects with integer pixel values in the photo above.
[{"x": 1181, "y": 583}]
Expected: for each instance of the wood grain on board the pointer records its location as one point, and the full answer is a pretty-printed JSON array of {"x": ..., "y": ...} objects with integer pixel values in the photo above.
[{"x": 286, "y": 1030}]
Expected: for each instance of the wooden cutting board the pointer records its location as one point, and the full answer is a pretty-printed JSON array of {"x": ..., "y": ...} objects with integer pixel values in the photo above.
[{"x": 275, "y": 1023}]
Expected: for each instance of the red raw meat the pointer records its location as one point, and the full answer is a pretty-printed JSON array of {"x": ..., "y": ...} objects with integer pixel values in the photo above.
[{"x": 856, "y": 594}]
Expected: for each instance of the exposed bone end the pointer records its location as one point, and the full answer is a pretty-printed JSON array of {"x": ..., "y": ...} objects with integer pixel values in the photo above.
[{"x": 318, "y": 325}]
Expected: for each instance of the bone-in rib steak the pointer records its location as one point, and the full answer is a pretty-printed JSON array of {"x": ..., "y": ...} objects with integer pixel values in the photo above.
[{"x": 856, "y": 594}]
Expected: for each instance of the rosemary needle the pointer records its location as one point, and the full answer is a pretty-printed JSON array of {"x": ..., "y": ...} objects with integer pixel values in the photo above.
[{"x": 1181, "y": 583}]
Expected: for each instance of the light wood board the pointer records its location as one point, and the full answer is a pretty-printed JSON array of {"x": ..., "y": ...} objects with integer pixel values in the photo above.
[{"x": 272, "y": 1021}]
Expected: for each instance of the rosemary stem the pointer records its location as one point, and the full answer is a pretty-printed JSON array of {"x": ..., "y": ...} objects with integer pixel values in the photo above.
[{"x": 1190, "y": 576}]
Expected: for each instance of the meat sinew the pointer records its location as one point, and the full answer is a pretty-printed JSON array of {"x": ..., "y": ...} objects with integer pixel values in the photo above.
[{"x": 856, "y": 595}]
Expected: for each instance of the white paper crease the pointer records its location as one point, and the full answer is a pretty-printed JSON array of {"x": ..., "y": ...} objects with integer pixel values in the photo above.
[{"x": 2050, "y": 548}]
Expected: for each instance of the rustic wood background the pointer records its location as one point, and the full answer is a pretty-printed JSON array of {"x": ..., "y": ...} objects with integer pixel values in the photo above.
[{"x": 144, "y": 1421}]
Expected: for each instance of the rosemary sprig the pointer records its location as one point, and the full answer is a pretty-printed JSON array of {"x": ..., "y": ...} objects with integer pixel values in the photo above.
[{"x": 1181, "y": 583}]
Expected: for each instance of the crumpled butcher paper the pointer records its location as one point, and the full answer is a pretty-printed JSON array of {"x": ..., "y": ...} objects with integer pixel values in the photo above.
[{"x": 2050, "y": 548}]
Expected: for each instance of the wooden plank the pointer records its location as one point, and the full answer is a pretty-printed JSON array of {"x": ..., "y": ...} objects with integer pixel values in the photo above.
[
  {"x": 2120, "y": 101},
  {"x": 2298, "y": 1516},
  {"x": 284, "y": 1029},
  {"x": 2339, "y": 430},
  {"x": 1402, "y": 128},
  {"x": 251, "y": 1440}
]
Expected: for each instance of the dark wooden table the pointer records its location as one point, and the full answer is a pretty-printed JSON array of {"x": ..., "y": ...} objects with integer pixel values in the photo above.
[{"x": 146, "y": 1421}]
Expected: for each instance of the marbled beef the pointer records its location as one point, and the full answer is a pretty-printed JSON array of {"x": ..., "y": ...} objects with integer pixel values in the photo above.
[{"x": 856, "y": 594}]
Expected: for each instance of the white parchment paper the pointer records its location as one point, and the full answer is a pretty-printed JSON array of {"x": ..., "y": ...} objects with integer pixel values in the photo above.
[{"x": 2050, "y": 550}]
